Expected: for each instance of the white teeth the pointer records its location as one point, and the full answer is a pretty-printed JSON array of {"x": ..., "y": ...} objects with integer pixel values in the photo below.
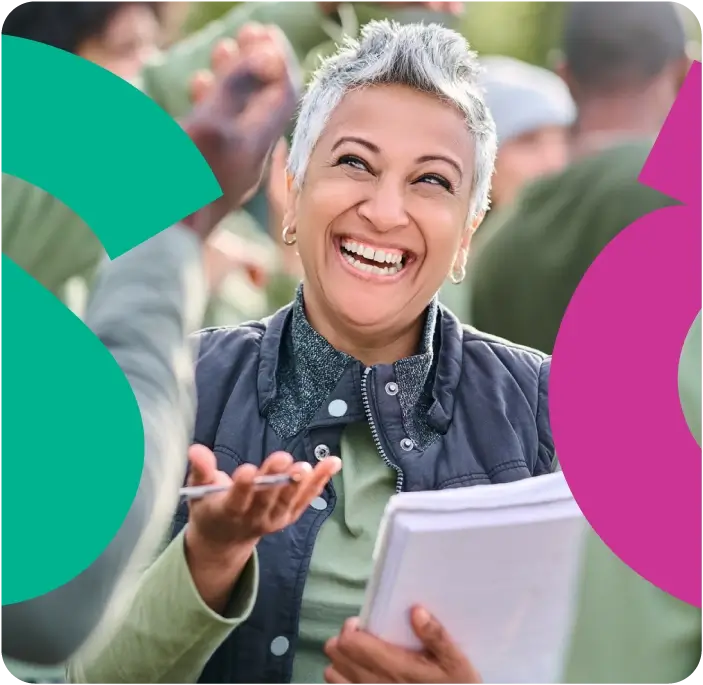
[
  {"x": 370, "y": 268},
  {"x": 380, "y": 256}
]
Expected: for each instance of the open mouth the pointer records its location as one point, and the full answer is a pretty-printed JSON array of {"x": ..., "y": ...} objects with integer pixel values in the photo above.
[{"x": 373, "y": 260}]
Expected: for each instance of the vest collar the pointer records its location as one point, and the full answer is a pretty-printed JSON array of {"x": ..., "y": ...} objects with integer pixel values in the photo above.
[{"x": 299, "y": 369}]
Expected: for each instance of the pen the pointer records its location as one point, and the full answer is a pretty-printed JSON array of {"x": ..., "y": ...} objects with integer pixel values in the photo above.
[{"x": 199, "y": 491}]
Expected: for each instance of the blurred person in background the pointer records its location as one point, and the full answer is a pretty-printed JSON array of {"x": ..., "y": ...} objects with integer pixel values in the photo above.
[
  {"x": 143, "y": 308},
  {"x": 390, "y": 167},
  {"x": 118, "y": 36},
  {"x": 624, "y": 64},
  {"x": 43, "y": 236},
  {"x": 533, "y": 112},
  {"x": 40, "y": 234}
]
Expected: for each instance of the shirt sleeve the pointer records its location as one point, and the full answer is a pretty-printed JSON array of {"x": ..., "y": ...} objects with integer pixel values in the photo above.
[
  {"x": 44, "y": 237},
  {"x": 169, "y": 633},
  {"x": 626, "y": 629},
  {"x": 145, "y": 304}
]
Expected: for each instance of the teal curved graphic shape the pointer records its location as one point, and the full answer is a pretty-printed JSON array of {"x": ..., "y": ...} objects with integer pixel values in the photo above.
[{"x": 73, "y": 443}]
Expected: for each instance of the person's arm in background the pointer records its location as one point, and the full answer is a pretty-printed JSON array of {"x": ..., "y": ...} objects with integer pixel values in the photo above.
[
  {"x": 45, "y": 238},
  {"x": 167, "y": 80},
  {"x": 144, "y": 305}
]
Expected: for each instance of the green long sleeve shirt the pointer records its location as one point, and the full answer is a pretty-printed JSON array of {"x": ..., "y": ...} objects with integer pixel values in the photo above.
[{"x": 168, "y": 634}]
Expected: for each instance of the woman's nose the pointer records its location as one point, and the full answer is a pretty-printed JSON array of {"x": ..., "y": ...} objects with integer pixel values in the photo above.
[{"x": 385, "y": 208}]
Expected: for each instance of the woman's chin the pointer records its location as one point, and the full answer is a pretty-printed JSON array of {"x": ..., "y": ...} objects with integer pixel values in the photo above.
[{"x": 365, "y": 312}]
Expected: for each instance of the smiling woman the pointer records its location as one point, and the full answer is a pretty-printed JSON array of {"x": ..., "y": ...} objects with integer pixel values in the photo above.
[{"x": 390, "y": 171}]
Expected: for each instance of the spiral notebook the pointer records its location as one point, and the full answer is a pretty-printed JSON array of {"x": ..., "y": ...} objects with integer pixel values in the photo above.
[{"x": 498, "y": 565}]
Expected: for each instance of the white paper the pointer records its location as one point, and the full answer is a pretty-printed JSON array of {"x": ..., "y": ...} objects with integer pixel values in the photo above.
[{"x": 497, "y": 565}]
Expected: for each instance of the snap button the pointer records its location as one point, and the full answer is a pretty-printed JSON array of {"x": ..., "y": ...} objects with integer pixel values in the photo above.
[
  {"x": 321, "y": 452},
  {"x": 407, "y": 444},
  {"x": 392, "y": 388},
  {"x": 337, "y": 408},
  {"x": 319, "y": 504},
  {"x": 279, "y": 645}
]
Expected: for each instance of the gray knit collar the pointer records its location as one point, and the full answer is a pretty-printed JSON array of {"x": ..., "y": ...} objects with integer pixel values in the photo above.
[{"x": 310, "y": 368}]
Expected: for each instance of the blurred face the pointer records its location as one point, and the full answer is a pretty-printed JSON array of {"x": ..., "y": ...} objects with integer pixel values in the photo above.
[
  {"x": 128, "y": 41},
  {"x": 383, "y": 208},
  {"x": 526, "y": 158}
]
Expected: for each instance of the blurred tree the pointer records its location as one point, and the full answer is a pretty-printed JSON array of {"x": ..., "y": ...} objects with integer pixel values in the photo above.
[
  {"x": 525, "y": 30},
  {"x": 530, "y": 31}
]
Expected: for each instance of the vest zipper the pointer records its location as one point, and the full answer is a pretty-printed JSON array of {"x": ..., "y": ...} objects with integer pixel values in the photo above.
[{"x": 374, "y": 432}]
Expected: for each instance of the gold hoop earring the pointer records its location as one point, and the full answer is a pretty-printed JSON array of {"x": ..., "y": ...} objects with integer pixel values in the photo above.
[
  {"x": 457, "y": 275},
  {"x": 289, "y": 237}
]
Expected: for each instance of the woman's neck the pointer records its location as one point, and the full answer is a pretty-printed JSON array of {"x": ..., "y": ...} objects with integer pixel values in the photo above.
[{"x": 370, "y": 347}]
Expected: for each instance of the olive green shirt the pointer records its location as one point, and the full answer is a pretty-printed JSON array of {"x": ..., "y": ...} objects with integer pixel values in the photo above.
[
  {"x": 528, "y": 259},
  {"x": 169, "y": 634}
]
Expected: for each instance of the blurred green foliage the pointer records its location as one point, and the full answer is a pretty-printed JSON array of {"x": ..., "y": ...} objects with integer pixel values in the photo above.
[{"x": 526, "y": 30}]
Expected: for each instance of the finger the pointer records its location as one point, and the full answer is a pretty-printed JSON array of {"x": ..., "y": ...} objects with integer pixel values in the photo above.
[
  {"x": 354, "y": 670},
  {"x": 265, "y": 497},
  {"x": 333, "y": 676},
  {"x": 203, "y": 465},
  {"x": 300, "y": 471},
  {"x": 267, "y": 63},
  {"x": 374, "y": 654},
  {"x": 250, "y": 35},
  {"x": 241, "y": 494},
  {"x": 314, "y": 486},
  {"x": 350, "y": 625},
  {"x": 201, "y": 85},
  {"x": 224, "y": 55},
  {"x": 435, "y": 638}
]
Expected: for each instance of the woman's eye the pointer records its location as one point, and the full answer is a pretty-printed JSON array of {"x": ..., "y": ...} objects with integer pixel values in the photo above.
[
  {"x": 353, "y": 161},
  {"x": 435, "y": 179}
]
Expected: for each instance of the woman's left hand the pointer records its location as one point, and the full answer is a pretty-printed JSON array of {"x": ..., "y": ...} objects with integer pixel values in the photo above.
[{"x": 358, "y": 657}]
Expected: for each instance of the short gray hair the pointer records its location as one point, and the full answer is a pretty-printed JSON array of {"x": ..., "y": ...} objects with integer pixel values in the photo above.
[{"x": 429, "y": 58}]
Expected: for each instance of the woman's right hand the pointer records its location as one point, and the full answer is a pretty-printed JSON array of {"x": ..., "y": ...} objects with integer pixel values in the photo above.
[{"x": 224, "y": 528}]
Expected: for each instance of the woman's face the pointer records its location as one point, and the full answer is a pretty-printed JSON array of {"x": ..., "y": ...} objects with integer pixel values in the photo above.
[
  {"x": 383, "y": 208},
  {"x": 129, "y": 40}
]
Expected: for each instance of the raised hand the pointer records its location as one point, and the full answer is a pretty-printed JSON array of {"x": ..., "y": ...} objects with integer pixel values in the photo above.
[{"x": 241, "y": 110}]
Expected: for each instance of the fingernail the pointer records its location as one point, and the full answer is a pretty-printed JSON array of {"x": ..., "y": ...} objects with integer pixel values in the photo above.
[{"x": 422, "y": 617}]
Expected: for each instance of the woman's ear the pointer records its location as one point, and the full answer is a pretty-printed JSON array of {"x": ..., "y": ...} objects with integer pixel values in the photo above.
[
  {"x": 289, "y": 215},
  {"x": 469, "y": 231},
  {"x": 476, "y": 222},
  {"x": 279, "y": 187}
]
